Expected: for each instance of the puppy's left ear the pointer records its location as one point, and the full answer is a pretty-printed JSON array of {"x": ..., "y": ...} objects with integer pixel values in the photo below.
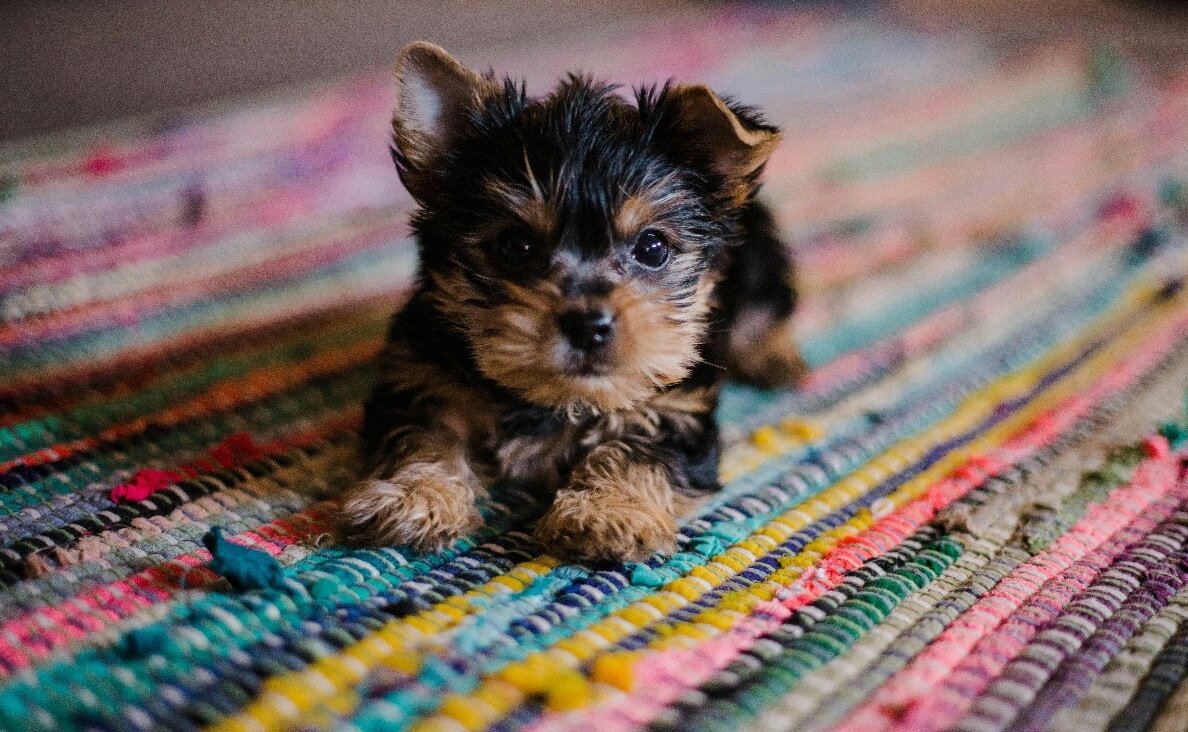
[
  {"x": 434, "y": 96},
  {"x": 736, "y": 143}
]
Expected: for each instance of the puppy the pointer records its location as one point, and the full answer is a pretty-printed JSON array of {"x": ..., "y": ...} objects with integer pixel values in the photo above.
[{"x": 591, "y": 268}]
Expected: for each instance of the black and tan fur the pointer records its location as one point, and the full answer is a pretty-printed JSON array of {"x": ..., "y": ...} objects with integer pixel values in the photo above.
[{"x": 591, "y": 269}]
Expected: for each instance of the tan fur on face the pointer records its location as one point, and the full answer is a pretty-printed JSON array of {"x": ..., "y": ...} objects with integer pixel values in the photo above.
[
  {"x": 645, "y": 207},
  {"x": 635, "y": 213},
  {"x": 614, "y": 509},
  {"x": 529, "y": 205},
  {"x": 655, "y": 342}
]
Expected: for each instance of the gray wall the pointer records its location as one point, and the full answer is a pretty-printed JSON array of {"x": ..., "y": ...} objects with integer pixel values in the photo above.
[{"x": 65, "y": 63}]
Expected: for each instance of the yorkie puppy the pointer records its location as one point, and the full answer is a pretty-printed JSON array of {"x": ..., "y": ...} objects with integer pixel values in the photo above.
[{"x": 591, "y": 268}]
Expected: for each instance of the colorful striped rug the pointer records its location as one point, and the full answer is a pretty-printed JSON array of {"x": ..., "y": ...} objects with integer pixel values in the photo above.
[{"x": 974, "y": 516}]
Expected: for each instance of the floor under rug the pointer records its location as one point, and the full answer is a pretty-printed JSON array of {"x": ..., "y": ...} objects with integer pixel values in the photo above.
[{"x": 974, "y": 515}]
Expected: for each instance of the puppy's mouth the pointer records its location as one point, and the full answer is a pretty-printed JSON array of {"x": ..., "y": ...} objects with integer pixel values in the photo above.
[{"x": 580, "y": 364}]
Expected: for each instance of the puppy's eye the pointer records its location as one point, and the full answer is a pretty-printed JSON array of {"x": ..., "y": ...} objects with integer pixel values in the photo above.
[
  {"x": 651, "y": 249},
  {"x": 514, "y": 247}
]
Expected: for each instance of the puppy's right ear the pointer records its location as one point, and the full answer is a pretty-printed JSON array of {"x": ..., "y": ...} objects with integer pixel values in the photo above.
[{"x": 434, "y": 94}]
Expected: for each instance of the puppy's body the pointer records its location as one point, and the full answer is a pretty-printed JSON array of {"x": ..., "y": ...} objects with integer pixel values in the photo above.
[{"x": 590, "y": 269}]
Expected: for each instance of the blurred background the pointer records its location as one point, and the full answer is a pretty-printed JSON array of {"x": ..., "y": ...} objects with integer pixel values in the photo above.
[{"x": 72, "y": 62}]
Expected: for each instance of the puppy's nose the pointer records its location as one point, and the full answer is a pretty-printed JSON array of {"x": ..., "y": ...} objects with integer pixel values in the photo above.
[{"x": 588, "y": 329}]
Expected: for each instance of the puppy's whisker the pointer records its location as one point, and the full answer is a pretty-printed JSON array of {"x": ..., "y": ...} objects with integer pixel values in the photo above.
[{"x": 532, "y": 178}]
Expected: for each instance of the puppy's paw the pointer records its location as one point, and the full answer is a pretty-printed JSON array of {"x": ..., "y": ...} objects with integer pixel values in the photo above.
[
  {"x": 767, "y": 356},
  {"x": 423, "y": 505},
  {"x": 606, "y": 526}
]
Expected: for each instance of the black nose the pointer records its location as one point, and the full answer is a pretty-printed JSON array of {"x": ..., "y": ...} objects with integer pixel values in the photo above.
[{"x": 588, "y": 329}]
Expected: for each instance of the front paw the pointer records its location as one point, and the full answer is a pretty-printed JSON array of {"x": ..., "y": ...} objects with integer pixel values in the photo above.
[
  {"x": 423, "y": 505},
  {"x": 612, "y": 526}
]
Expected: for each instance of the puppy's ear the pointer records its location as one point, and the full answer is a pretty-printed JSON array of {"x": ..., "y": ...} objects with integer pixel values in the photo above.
[
  {"x": 434, "y": 93},
  {"x": 736, "y": 143}
]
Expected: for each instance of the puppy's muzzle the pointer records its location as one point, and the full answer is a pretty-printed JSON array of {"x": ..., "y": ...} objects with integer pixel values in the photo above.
[{"x": 589, "y": 329}]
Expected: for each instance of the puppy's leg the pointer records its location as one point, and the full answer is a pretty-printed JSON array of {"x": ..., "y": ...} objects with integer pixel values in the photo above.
[
  {"x": 617, "y": 506},
  {"x": 421, "y": 486},
  {"x": 757, "y": 300},
  {"x": 619, "y": 502},
  {"x": 423, "y": 495}
]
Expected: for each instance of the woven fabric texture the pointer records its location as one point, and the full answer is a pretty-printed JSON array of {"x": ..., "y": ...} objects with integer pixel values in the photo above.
[{"x": 973, "y": 516}]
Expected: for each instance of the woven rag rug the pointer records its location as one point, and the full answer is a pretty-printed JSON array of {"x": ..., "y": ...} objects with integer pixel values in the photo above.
[{"x": 973, "y": 516}]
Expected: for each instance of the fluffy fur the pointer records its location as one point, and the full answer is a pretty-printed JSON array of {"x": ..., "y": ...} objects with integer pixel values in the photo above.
[{"x": 591, "y": 266}]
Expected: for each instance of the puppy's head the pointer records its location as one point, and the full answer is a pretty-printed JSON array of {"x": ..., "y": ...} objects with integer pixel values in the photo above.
[{"x": 573, "y": 239}]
